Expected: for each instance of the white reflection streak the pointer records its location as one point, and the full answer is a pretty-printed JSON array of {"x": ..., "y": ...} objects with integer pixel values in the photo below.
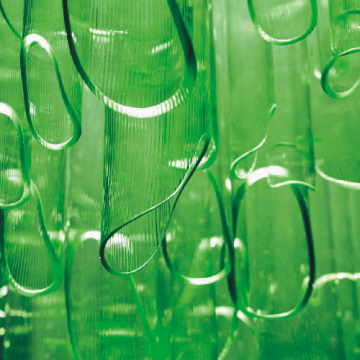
[{"x": 265, "y": 172}]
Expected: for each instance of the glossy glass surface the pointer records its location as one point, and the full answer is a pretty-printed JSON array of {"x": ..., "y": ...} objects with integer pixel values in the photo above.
[{"x": 179, "y": 179}]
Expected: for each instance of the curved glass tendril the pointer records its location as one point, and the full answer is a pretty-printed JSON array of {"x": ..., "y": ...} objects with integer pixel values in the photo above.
[{"x": 11, "y": 26}]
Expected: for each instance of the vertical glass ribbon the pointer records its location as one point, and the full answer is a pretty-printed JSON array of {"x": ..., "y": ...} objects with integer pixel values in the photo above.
[
  {"x": 197, "y": 250},
  {"x": 339, "y": 46},
  {"x": 51, "y": 84},
  {"x": 151, "y": 152},
  {"x": 286, "y": 163},
  {"x": 283, "y": 22},
  {"x": 289, "y": 148},
  {"x": 335, "y": 124},
  {"x": 245, "y": 74}
]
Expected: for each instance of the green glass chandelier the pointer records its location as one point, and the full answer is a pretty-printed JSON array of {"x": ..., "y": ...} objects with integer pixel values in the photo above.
[{"x": 179, "y": 179}]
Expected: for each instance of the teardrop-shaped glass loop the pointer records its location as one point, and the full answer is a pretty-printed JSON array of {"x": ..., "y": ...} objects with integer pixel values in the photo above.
[
  {"x": 129, "y": 247},
  {"x": 341, "y": 75},
  {"x": 89, "y": 288},
  {"x": 12, "y": 11},
  {"x": 14, "y": 177},
  {"x": 51, "y": 118},
  {"x": 283, "y": 22},
  {"x": 137, "y": 57},
  {"x": 199, "y": 233},
  {"x": 31, "y": 263},
  {"x": 274, "y": 219}
]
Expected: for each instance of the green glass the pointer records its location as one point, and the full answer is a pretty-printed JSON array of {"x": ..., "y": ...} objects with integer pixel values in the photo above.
[
  {"x": 289, "y": 144},
  {"x": 322, "y": 330},
  {"x": 334, "y": 121},
  {"x": 194, "y": 249},
  {"x": 108, "y": 307},
  {"x": 47, "y": 69},
  {"x": 24, "y": 241},
  {"x": 30, "y": 224},
  {"x": 14, "y": 177},
  {"x": 85, "y": 162},
  {"x": 34, "y": 327},
  {"x": 15, "y": 183},
  {"x": 207, "y": 239},
  {"x": 338, "y": 33},
  {"x": 152, "y": 34},
  {"x": 13, "y": 15},
  {"x": 263, "y": 276},
  {"x": 207, "y": 205},
  {"x": 283, "y": 22},
  {"x": 248, "y": 96},
  {"x": 138, "y": 201}
]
